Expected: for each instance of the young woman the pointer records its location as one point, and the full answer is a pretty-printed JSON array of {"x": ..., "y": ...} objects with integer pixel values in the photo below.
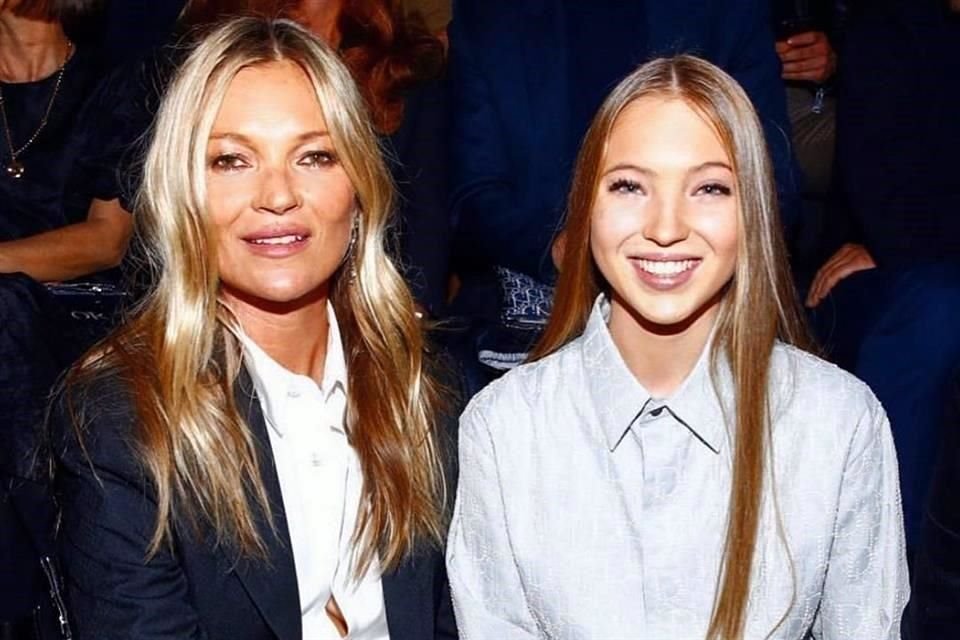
[
  {"x": 253, "y": 454},
  {"x": 669, "y": 466}
]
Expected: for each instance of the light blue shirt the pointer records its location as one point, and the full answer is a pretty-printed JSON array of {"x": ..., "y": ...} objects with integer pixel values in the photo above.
[{"x": 588, "y": 509}]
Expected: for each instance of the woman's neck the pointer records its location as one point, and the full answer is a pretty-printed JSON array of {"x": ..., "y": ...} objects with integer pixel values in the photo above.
[
  {"x": 30, "y": 49},
  {"x": 296, "y": 339},
  {"x": 659, "y": 359}
]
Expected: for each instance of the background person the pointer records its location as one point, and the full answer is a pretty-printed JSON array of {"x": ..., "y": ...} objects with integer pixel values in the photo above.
[
  {"x": 60, "y": 220},
  {"x": 885, "y": 298}
]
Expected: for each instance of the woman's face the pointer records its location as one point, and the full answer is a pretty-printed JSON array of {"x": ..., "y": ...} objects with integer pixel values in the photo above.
[
  {"x": 665, "y": 219},
  {"x": 279, "y": 199}
]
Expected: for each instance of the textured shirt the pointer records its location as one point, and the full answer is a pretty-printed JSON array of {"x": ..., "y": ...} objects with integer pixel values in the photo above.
[
  {"x": 588, "y": 509},
  {"x": 321, "y": 481}
]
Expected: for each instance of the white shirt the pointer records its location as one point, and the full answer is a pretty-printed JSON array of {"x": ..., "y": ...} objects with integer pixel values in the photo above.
[
  {"x": 588, "y": 509},
  {"x": 321, "y": 482}
]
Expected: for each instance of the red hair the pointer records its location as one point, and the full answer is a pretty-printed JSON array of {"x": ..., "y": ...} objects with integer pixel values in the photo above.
[{"x": 387, "y": 52}]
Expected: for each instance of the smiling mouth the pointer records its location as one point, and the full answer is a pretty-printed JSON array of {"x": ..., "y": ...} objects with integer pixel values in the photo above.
[
  {"x": 278, "y": 240},
  {"x": 666, "y": 268}
]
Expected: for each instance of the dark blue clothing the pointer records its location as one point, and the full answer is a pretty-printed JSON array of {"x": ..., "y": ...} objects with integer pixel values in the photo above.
[
  {"x": 897, "y": 134},
  {"x": 616, "y": 33},
  {"x": 65, "y": 167},
  {"x": 197, "y": 588},
  {"x": 934, "y": 609},
  {"x": 28, "y": 369},
  {"x": 131, "y": 29},
  {"x": 417, "y": 157},
  {"x": 896, "y": 329},
  {"x": 514, "y": 129}
]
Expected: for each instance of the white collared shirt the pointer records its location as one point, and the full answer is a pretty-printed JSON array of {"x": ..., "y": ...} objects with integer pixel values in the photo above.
[
  {"x": 321, "y": 481},
  {"x": 588, "y": 509}
]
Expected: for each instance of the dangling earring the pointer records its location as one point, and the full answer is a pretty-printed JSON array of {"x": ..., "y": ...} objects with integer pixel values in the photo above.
[{"x": 352, "y": 248}]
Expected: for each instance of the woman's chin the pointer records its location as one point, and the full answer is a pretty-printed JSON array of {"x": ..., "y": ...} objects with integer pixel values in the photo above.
[{"x": 278, "y": 297}]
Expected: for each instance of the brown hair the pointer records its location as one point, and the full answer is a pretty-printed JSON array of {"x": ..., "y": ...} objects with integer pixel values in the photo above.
[
  {"x": 387, "y": 51},
  {"x": 759, "y": 307},
  {"x": 197, "y": 449}
]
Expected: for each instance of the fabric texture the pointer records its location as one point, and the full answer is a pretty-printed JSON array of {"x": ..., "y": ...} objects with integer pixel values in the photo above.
[
  {"x": 196, "y": 588},
  {"x": 308, "y": 439},
  {"x": 587, "y": 508}
]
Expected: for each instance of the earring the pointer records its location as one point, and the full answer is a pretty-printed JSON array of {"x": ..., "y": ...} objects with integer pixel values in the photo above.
[{"x": 352, "y": 248}]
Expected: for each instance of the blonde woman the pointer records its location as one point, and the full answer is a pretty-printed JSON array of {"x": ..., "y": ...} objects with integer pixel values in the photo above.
[
  {"x": 670, "y": 465},
  {"x": 252, "y": 455}
]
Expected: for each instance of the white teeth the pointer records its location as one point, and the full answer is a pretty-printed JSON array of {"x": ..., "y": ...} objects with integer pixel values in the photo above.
[
  {"x": 278, "y": 240},
  {"x": 666, "y": 267}
]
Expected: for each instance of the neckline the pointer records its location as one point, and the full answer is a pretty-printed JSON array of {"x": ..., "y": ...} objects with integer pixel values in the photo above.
[{"x": 66, "y": 66}]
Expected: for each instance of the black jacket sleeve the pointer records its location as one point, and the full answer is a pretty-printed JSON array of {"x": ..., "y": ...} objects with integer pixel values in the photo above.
[{"x": 109, "y": 511}]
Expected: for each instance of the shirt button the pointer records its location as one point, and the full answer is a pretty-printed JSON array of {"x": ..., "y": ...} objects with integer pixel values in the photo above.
[
  {"x": 656, "y": 412},
  {"x": 293, "y": 393}
]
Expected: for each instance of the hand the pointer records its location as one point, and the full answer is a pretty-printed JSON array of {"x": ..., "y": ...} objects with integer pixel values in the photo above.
[
  {"x": 807, "y": 56},
  {"x": 849, "y": 259}
]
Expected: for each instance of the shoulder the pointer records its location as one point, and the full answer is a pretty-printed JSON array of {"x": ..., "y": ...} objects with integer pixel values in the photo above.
[
  {"x": 92, "y": 421},
  {"x": 821, "y": 395},
  {"x": 524, "y": 392}
]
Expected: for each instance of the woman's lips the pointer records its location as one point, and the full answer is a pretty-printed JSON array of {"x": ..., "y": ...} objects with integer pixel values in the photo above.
[
  {"x": 664, "y": 274},
  {"x": 277, "y": 244}
]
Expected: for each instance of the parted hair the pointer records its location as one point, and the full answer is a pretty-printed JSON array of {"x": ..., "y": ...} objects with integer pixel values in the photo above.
[
  {"x": 759, "y": 307},
  {"x": 178, "y": 353}
]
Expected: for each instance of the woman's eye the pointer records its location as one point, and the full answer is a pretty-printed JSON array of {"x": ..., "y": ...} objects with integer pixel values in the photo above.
[
  {"x": 318, "y": 158},
  {"x": 228, "y": 162},
  {"x": 714, "y": 189},
  {"x": 625, "y": 186}
]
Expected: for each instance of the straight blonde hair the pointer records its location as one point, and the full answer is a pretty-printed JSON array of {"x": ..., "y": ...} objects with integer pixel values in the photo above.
[
  {"x": 180, "y": 360},
  {"x": 759, "y": 307}
]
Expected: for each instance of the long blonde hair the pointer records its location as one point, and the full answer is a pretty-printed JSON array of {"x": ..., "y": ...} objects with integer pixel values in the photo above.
[
  {"x": 759, "y": 307},
  {"x": 177, "y": 353}
]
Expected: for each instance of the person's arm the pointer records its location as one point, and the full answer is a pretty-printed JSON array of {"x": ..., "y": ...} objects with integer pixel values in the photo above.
[
  {"x": 108, "y": 514},
  {"x": 488, "y": 596},
  {"x": 73, "y": 251},
  {"x": 866, "y": 585},
  {"x": 491, "y": 225},
  {"x": 848, "y": 260},
  {"x": 756, "y": 67}
]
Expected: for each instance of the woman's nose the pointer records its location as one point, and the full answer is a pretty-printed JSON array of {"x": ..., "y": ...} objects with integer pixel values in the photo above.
[
  {"x": 277, "y": 193},
  {"x": 665, "y": 224}
]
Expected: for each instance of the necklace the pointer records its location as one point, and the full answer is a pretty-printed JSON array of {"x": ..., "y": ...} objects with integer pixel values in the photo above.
[{"x": 15, "y": 168}]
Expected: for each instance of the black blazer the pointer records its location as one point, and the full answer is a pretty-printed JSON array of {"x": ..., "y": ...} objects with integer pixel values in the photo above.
[{"x": 196, "y": 589}]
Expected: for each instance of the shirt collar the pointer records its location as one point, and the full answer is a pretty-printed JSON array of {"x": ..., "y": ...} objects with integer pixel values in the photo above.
[
  {"x": 621, "y": 402},
  {"x": 273, "y": 382}
]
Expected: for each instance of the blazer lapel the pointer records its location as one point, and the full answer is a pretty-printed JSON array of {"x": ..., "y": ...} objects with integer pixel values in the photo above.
[
  {"x": 271, "y": 583},
  {"x": 408, "y": 599}
]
